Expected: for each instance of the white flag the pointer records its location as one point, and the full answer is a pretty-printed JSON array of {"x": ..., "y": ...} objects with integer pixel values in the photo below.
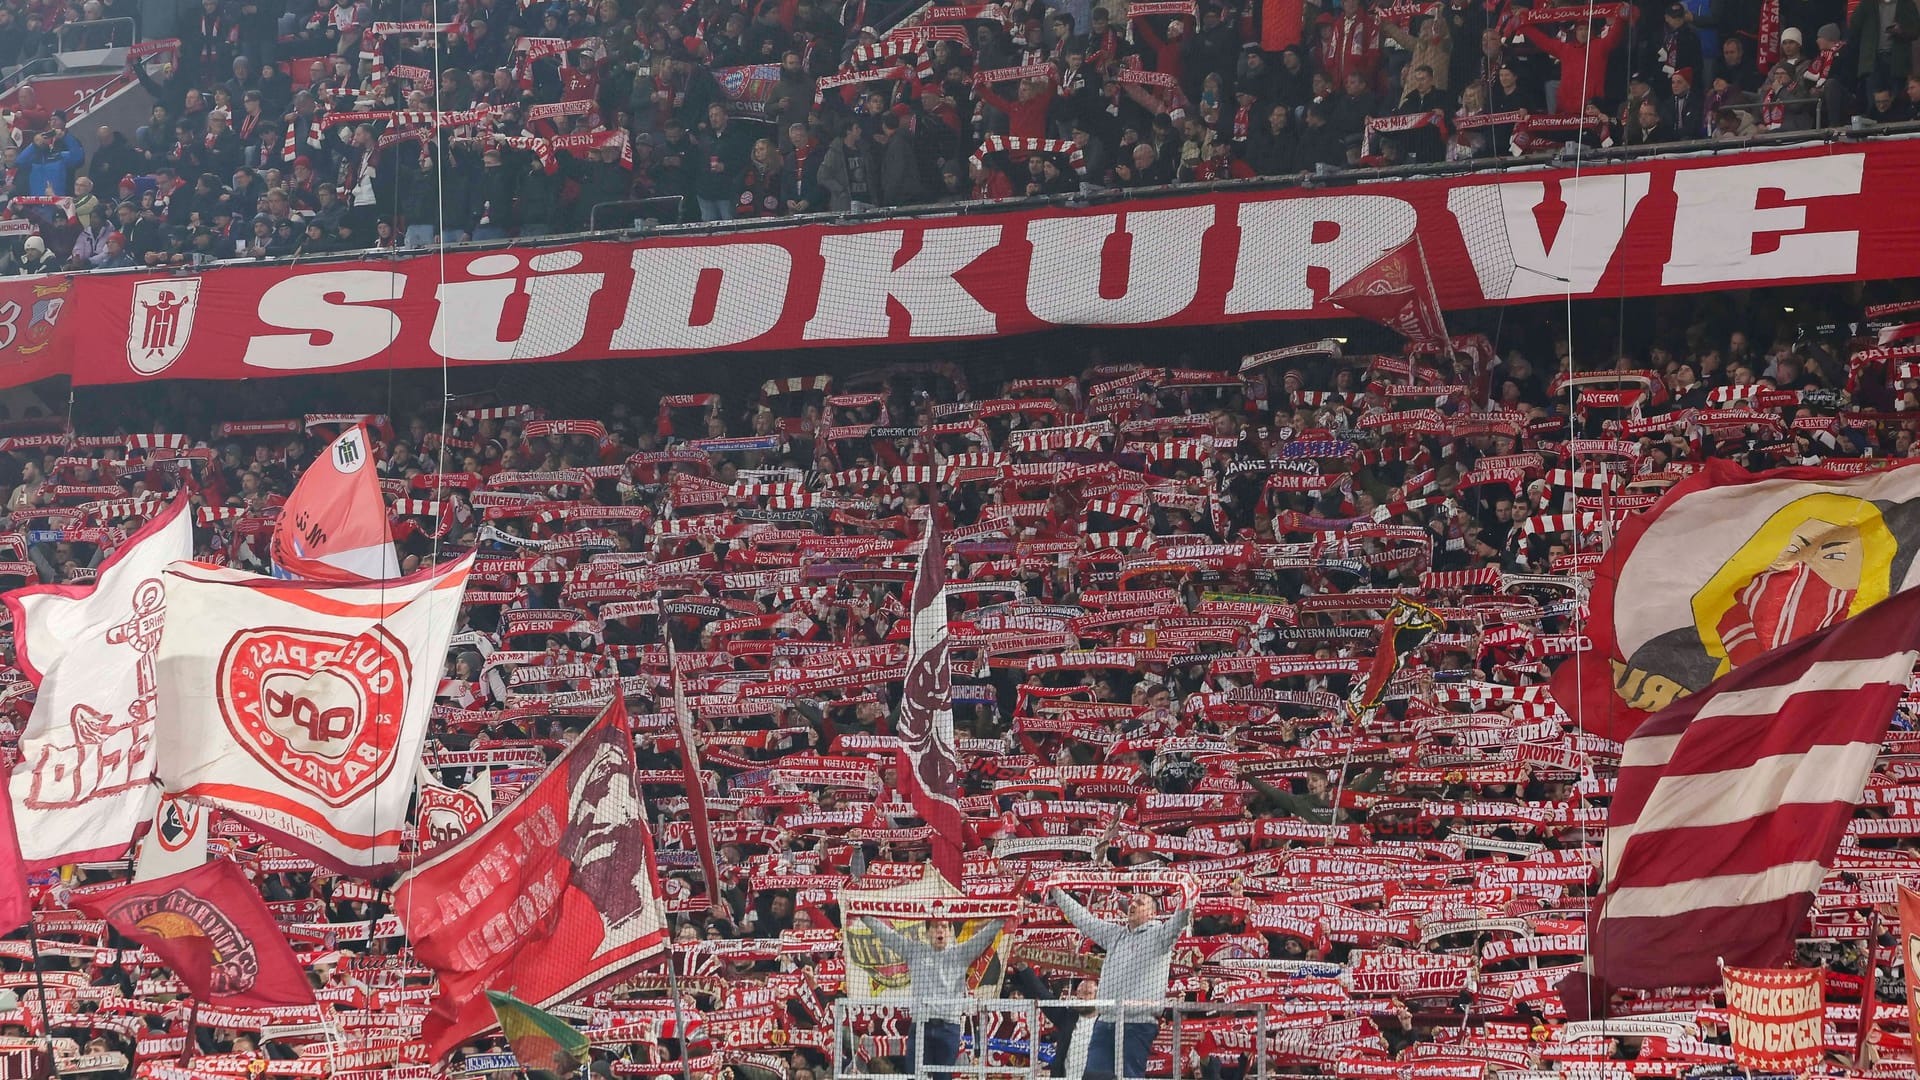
[
  {"x": 176, "y": 843},
  {"x": 303, "y": 707},
  {"x": 84, "y": 783}
]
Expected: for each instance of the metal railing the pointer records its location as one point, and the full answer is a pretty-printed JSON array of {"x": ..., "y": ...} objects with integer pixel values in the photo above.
[
  {"x": 114, "y": 39},
  {"x": 979, "y": 1054},
  {"x": 39, "y": 65},
  {"x": 666, "y": 208}
]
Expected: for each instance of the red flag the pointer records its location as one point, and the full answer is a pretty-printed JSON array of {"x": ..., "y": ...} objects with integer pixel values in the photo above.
[
  {"x": 1731, "y": 802},
  {"x": 569, "y": 895},
  {"x": 1397, "y": 293},
  {"x": 929, "y": 758},
  {"x": 334, "y": 527},
  {"x": 696, "y": 791},
  {"x": 1776, "y": 1017},
  {"x": 1279, "y": 23},
  {"x": 211, "y": 927},
  {"x": 1910, "y": 947},
  {"x": 16, "y": 907}
]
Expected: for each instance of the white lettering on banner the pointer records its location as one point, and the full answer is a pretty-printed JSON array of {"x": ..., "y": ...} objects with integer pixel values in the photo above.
[
  {"x": 1517, "y": 260},
  {"x": 1282, "y": 241},
  {"x": 1722, "y": 215},
  {"x": 1160, "y": 249},
  {"x": 467, "y": 326},
  {"x": 748, "y": 289},
  {"x": 860, "y": 277},
  {"x": 1790, "y": 216},
  {"x": 328, "y": 303}
]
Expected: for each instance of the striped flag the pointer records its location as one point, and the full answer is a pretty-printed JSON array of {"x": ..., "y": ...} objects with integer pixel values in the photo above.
[
  {"x": 690, "y": 768},
  {"x": 1731, "y": 802},
  {"x": 930, "y": 760}
]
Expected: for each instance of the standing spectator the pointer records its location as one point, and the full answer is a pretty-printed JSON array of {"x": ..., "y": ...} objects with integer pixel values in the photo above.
[
  {"x": 727, "y": 148},
  {"x": 207, "y": 45},
  {"x": 1880, "y": 35},
  {"x": 492, "y": 197},
  {"x": 113, "y": 158},
  {"x": 766, "y": 184},
  {"x": 848, "y": 173},
  {"x": 1133, "y": 977},
  {"x": 900, "y": 180},
  {"x": 937, "y": 978},
  {"x": 346, "y": 21},
  {"x": 1350, "y": 43},
  {"x": 1027, "y": 114},
  {"x": 803, "y": 171},
  {"x": 1679, "y": 42},
  {"x": 224, "y": 151},
  {"x": 1424, "y": 144},
  {"x": 1583, "y": 61},
  {"x": 48, "y": 165}
]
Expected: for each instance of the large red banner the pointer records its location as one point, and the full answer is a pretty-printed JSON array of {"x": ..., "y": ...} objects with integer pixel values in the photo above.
[
  {"x": 1663, "y": 226},
  {"x": 1775, "y": 1017}
]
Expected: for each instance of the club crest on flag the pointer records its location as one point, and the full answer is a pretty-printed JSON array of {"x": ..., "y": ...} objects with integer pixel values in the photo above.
[
  {"x": 178, "y": 913},
  {"x": 322, "y": 711},
  {"x": 161, "y": 323},
  {"x": 447, "y": 815}
]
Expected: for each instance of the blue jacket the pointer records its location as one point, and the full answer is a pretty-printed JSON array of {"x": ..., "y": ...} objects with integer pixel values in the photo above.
[{"x": 55, "y": 166}]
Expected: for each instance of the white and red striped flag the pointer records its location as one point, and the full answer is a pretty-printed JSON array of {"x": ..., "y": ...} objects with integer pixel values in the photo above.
[
  {"x": 1731, "y": 802},
  {"x": 930, "y": 759}
]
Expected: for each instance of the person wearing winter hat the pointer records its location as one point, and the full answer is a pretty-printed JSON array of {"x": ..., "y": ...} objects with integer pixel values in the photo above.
[{"x": 35, "y": 258}]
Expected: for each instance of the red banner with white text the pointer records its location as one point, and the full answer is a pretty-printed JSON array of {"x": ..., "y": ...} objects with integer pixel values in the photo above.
[{"x": 1662, "y": 226}]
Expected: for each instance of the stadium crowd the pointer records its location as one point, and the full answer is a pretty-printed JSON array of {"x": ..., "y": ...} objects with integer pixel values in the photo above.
[
  {"x": 1166, "y": 581},
  {"x": 288, "y": 133}
]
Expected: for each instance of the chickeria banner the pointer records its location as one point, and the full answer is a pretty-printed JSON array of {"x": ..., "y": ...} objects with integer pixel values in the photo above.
[
  {"x": 1663, "y": 226},
  {"x": 302, "y": 707},
  {"x": 884, "y": 925},
  {"x": 1775, "y": 1016}
]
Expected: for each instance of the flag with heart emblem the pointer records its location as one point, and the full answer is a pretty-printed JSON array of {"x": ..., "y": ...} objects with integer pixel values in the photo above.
[
  {"x": 83, "y": 786},
  {"x": 303, "y": 707}
]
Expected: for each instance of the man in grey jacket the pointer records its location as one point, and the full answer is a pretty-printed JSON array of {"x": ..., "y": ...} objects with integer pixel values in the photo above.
[
  {"x": 1133, "y": 977},
  {"x": 937, "y": 978},
  {"x": 849, "y": 172}
]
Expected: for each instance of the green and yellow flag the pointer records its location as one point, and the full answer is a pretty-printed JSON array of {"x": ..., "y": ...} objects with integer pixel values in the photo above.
[{"x": 540, "y": 1040}]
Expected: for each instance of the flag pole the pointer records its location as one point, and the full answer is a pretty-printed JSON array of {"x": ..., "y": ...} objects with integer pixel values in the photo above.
[
  {"x": 40, "y": 982},
  {"x": 673, "y": 977}
]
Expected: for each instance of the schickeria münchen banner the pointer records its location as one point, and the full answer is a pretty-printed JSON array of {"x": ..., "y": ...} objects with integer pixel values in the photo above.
[{"x": 1832, "y": 213}]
